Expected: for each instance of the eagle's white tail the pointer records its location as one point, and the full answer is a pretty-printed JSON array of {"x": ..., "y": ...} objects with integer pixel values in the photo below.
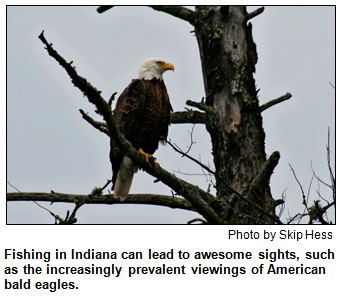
[{"x": 124, "y": 179}]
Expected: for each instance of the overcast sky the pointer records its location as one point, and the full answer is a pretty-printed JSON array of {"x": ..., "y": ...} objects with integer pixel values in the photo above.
[{"x": 50, "y": 146}]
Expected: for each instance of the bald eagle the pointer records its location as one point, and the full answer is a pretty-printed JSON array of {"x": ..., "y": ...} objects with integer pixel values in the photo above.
[{"x": 142, "y": 114}]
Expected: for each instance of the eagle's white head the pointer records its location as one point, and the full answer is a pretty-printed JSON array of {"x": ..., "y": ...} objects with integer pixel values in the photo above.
[{"x": 154, "y": 68}]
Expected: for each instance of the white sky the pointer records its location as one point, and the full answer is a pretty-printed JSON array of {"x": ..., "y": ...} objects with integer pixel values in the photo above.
[{"x": 50, "y": 146}]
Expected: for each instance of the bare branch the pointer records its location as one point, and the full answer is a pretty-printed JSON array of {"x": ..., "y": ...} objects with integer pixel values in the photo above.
[
  {"x": 275, "y": 101},
  {"x": 173, "y": 10},
  {"x": 111, "y": 99},
  {"x": 178, "y": 12},
  {"x": 190, "y": 116},
  {"x": 98, "y": 125},
  {"x": 202, "y": 106},
  {"x": 282, "y": 203},
  {"x": 278, "y": 202},
  {"x": 332, "y": 85},
  {"x": 294, "y": 218},
  {"x": 191, "y": 141},
  {"x": 319, "y": 179},
  {"x": 211, "y": 115},
  {"x": 160, "y": 200},
  {"x": 103, "y": 8},
  {"x": 332, "y": 176},
  {"x": 264, "y": 175},
  {"x": 301, "y": 188},
  {"x": 254, "y": 14}
]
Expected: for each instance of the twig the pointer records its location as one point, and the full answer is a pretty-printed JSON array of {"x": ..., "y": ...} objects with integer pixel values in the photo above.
[
  {"x": 332, "y": 176},
  {"x": 13, "y": 186},
  {"x": 111, "y": 99},
  {"x": 189, "y": 174},
  {"x": 177, "y": 149},
  {"x": 332, "y": 85},
  {"x": 301, "y": 188},
  {"x": 293, "y": 218},
  {"x": 309, "y": 189},
  {"x": 254, "y": 13},
  {"x": 191, "y": 143},
  {"x": 318, "y": 179},
  {"x": 98, "y": 125},
  {"x": 275, "y": 101}
]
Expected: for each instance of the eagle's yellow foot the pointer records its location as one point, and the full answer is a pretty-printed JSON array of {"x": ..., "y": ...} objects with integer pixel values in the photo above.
[{"x": 149, "y": 157}]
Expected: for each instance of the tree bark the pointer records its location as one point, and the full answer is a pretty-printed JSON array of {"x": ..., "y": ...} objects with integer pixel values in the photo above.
[{"x": 228, "y": 57}]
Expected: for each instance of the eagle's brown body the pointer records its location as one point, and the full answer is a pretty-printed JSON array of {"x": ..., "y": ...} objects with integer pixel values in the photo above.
[{"x": 142, "y": 114}]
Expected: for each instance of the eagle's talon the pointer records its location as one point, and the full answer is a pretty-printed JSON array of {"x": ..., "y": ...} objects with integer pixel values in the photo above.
[{"x": 149, "y": 158}]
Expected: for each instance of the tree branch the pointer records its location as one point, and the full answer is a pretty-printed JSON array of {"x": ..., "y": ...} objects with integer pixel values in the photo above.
[
  {"x": 264, "y": 175},
  {"x": 210, "y": 113},
  {"x": 98, "y": 125},
  {"x": 254, "y": 13},
  {"x": 150, "y": 199},
  {"x": 275, "y": 101},
  {"x": 332, "y": 176},
  {"x": 173, "y": 10},
  {"x": 301, "y": 188},
  {"x": 188, "y": 191},
  {"x": 103, "y": 8},
  {"x": 178, "y": 12},
  {"x": 190, "y": 116}
]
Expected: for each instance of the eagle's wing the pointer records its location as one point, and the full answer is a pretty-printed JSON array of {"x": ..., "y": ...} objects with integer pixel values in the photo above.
[{"x": 127, "y": 115}]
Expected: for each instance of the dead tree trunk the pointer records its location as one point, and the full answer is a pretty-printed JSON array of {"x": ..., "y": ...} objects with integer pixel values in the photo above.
[{"x": 228, "y": 57}]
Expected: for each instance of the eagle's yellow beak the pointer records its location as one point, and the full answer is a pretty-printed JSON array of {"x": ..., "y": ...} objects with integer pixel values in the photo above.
[{"x": 168, "y": 66}]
